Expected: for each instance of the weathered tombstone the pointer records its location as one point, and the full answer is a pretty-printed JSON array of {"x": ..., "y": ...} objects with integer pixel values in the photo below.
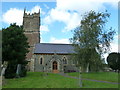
[
  {"x": 18, "y": 70},
  {"x": 2, "y": 79},
  {"x": 4, "y": 66}
]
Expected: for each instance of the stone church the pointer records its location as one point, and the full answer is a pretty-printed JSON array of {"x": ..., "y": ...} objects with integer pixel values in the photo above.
[{"x": 45, "y": 57}]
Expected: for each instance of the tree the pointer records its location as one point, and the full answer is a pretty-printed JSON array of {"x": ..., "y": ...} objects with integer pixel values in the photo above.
[
  {"x": 14, "y": 49},
  {"x": 91, "y": 40},
  {"x": 0, "y": 44},
  {"x": 113, "y": 60}
]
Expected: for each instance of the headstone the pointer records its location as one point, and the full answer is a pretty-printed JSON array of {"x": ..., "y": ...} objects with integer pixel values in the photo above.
[
  {"x": 3, "y": 71},
  {"x": 4, "y": 66},
  {"x": 2, "y": 79},
  {"x": 18, "y": 70}
]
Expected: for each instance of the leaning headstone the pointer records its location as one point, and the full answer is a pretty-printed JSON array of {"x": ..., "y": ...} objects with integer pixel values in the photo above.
[
  {"x": 2, "y": 79},
  {"x": 4, "y": 66},
  {"x": 3, "y": 71}
]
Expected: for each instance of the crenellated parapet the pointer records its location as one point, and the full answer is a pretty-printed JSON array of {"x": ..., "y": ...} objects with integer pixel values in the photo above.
[{"x": 31, "y": 15}]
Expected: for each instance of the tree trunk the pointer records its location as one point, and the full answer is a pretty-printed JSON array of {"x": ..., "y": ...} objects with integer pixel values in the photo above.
[{"x": 80, "y": 77}]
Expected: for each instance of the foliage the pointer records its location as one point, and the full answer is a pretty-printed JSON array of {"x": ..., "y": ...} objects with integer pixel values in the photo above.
[
  {"x": 113, "y": 60},
  {"x": 14, "y": 48},
  {"x": 23, "y": 71},
  {"x": 0, "y": 48},
  {"x": 91, "y": 40}
]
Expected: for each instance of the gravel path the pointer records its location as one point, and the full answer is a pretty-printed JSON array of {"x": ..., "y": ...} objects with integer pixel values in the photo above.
[{"x": 65, "y": 75}]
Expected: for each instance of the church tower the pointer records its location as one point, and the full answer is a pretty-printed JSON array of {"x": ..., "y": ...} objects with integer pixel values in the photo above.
[{"x": 31, "y": 27}]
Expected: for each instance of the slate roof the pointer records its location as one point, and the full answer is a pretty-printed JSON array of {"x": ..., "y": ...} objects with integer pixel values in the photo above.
[{"x": 50, "y": 48}]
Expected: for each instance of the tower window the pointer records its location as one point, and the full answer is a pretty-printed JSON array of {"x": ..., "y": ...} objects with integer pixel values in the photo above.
[{"x": 64, "y": 60}]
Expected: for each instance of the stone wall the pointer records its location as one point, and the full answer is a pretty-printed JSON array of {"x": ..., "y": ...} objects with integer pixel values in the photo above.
[
  {"x": 48, "y": 62},
  {"x": 31, "y": 22},
  {"x": 31, "y": 27}
]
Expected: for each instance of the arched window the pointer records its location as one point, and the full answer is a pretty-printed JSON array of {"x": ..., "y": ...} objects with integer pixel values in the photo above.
[
  {"x": 41, "y": 60},
  {"x": 64, "y": 60}
]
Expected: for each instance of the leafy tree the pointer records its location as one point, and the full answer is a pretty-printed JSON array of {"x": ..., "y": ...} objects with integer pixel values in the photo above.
[
  {"x": 0, "y": 50},
  {"x": 91, "y": 40},
  {"x": 14, "y": 49},
  {"x": 113, "y": 60}
]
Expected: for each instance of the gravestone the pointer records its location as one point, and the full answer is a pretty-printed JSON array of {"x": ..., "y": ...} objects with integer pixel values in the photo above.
[
  {"x": 2, "y": 79},
  {"x": 4, "y": 66},
  {"x": 18, "y": 70}
]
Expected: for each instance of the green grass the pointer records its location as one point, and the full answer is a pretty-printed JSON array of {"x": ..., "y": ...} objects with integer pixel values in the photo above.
[
  {"x": 105, "y": 76},
  {"x": 38, "y": 80},
  {"x": 92, "y": 84}
]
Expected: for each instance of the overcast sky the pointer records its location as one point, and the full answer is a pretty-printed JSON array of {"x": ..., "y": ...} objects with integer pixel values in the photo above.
[{"x": 60, "y": 17}]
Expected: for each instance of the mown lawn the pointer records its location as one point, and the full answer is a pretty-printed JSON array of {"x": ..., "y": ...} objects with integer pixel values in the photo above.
[
  {"x": 39, "y": 80},
  {"x": 105, "y": 76}
]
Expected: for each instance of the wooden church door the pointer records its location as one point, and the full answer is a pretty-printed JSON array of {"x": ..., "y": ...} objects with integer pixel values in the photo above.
[{"x": 55, "y": 67}]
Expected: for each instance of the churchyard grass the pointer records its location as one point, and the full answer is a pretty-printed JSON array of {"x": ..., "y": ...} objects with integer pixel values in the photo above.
[
  {"x": 105, "y": 76},
  {"x": 40, "y": 80}
]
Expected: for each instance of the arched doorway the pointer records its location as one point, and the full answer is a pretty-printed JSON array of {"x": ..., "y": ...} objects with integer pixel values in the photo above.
[{"x": 55, "y": 67}]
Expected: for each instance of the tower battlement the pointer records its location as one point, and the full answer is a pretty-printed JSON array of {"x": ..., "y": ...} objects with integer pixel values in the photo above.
[
  {"x": 32, "y": 15},
  {"x": 31, "y": 22},
  {"x": 31, "y": 27}
]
